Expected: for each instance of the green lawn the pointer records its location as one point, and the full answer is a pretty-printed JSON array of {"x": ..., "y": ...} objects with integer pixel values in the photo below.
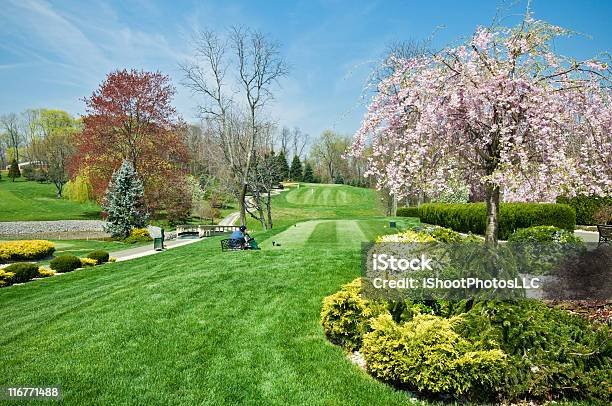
[
  {"x": 193, "y": 325},
  {"x": 22, "y": 200},
  {"x": 190, "y": 326}
]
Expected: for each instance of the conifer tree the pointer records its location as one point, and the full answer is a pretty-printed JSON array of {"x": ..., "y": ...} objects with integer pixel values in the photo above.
[
  {"x": 295, "y": 173},
  {"x": 124, "y": 202},
  {"x": 283, "y": 166},
  {"x": 14, "y": 172},
  {"x": 308, "y": 176}
]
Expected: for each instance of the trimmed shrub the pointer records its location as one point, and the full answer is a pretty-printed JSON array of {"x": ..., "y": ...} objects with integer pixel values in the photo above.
[
  {"x": 541, "y": 249},
  {"x": 6, "y": 278},
  {"x": 408, "y": 212},
  {"x": 471, "y": 217},
  {"x": 425, "y": 354},
  {"x": 99, "y": 255},
  {"x": 138, "y": 235},
  {"x": 544, "y": 234},
  {"x": 44, "y": 272},
  {"x": 25, "y": 250},
  {"x": 65, "y": 263},
  {"x": 586, "y": 207},
  {"x": 345, "y": 314},
  {"x": 23, "y": 271},
  {"x": 88, "y": 262}
]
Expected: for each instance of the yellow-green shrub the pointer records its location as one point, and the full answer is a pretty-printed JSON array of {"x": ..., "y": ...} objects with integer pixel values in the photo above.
[
  {"x": 44, "y": 272},
  {"x": 138, "y": 235},
  {"x": 88, "y": 262},
  {"x": 345, "y": 315},
  {"x": 112, "y": 259},
  {"x": 407, "y": 236},
  {"x": 427, "y": 355},
  {"x": 6, "y": 278},
  {"x": 25, "y": 250}
]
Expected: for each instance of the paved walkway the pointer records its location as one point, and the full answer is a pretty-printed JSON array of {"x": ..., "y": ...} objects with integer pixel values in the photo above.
[
  {"x": 146, "y": 250},
  {"x": 587, "y": 236}
]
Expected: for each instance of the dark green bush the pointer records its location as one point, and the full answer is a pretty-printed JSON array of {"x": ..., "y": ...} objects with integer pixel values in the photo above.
[
  {"x": 471, "y": 217},
  {"x": 24, "y": 271},
  {"x": 408, "y": 212},
  {"x": 99, "y": 255},
  {"x": 65, "y": 263},
  {"x": 586, "y": 207},
  {"x": 552, "y": 354}
]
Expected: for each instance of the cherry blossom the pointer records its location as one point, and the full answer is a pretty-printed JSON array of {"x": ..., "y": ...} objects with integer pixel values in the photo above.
[{"x": 503, "y": 111}]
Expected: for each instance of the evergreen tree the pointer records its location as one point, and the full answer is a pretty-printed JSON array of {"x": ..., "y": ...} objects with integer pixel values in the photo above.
[
  {"x": 14, "y": 172},
  {"x": 308, "y": 176},
  {"x": 124, "y": 202},
  {"x": 295, "y": 173},
  {"x": 283, "y": 166}
]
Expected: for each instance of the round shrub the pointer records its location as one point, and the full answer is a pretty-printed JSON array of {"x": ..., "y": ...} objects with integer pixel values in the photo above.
[
  {"x": 544, "y": 234},
  {"x": 138, "y": 235},
  {"x": 426, "y": 355},
  {"x": 25, "y": 250},
  {"x": 542, "y": 249},
  {"x": 99, "y": 255},
  {"x": 65, "y": 263},
  {"x": 23, "y": 271},
  {"x": 345, "y": 315}
]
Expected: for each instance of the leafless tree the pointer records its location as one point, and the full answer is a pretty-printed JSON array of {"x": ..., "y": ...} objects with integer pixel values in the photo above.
[
  {"x": 299, "y": 141},
  {"x": 10, "y": 124},
  {"x": 236, "y": 111}
]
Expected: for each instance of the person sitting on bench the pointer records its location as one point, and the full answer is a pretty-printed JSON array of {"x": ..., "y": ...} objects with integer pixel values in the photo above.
[
  {"x": 237, "y": 239},
  {"x": 242, "y": 240}
]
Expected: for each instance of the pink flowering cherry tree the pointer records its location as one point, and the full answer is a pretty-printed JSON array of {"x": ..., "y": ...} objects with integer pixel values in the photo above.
[{"x": 503, "y": 111}]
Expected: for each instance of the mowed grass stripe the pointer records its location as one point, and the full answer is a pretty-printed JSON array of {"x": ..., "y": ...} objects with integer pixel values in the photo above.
[{"x": 324, "y": 233}]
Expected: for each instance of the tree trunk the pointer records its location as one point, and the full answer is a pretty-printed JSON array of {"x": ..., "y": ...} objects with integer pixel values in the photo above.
[
  {"x": 492, "y": 198},
  {"x": 242, "y": 204},
  {"x": 269, "y": 208},
  {"x": 393, "y": 206}
]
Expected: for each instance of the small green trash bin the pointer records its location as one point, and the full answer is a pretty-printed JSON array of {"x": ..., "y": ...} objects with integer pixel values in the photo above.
[
  {"x": 392, "y": 224},
  {"x": 158, "y": 242}
]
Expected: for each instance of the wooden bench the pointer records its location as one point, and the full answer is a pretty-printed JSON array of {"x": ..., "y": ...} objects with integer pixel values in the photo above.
[
  {"x": 605, "y": 234},
  {"x": 230, "y": 244}
]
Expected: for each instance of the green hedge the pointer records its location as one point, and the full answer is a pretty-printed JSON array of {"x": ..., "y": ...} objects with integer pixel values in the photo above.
[
  {"x": 471, "y": 217},
  {"x": 408, "y": 211},
  {"x": 585, "y": 207}
]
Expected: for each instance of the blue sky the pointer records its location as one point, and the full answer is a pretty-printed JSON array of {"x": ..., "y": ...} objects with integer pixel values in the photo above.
[{"x": 54, "y": 53}]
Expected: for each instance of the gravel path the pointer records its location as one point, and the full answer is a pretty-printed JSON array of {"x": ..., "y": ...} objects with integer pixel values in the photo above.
[{"x": 60, "y": 226}]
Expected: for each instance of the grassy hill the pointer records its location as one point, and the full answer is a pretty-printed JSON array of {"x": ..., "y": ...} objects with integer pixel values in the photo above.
[
  {"x": 22, "y": 200},
  {"x": 310, "y": 201},
  {"x": 194, "y": 325}
]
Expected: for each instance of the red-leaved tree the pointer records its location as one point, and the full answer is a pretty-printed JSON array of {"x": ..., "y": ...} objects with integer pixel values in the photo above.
[{"x": 130, "y": 116}]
